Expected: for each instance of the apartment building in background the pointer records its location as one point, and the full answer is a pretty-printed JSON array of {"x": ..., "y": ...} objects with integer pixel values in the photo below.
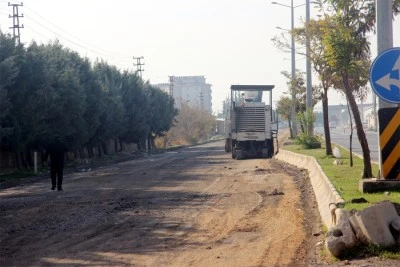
[{"x": 192, "y": 90}]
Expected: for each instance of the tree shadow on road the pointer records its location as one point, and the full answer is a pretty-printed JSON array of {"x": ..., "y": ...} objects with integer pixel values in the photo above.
[{"x": 110, "y": 216}]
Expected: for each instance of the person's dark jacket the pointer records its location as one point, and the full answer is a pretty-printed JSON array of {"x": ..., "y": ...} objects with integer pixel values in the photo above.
[{"x": 56, "y": 150}]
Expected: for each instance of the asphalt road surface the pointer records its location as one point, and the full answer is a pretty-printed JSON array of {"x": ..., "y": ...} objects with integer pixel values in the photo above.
[
  {"x": 341, "y": 135},
  {"x": 193, "y": 207}
]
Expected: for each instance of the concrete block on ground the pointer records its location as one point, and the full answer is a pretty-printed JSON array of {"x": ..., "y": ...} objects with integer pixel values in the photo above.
[
  {"x": 396, "y": 224},
  {"x": 372, "y": 225},
  {"x": 341, "y": 237},
  {"x": 358, "y": 231},
  {"x": 376, "y": 185}
]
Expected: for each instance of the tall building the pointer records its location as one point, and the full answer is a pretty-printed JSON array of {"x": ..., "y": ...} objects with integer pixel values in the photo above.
[{"x": 192, "y": 90}]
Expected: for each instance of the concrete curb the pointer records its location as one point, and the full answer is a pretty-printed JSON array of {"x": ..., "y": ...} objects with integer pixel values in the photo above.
[{"x": 324, "y": 190}]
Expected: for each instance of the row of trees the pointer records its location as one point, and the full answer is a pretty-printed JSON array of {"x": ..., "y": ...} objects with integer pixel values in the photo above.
[
  {"x": 340, "y": 54},
  {"x": 49, "y": 90}
]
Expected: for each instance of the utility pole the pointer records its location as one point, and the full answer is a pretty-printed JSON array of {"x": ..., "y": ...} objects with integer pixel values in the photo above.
[
  {"x": 139, "y": 69},
  {"x": 309, "y": 94},
  {"x": 293, "y": 78},
  {"x": 384, "y": 33},
  {"x": 139, "y": 65},
  {"x": 390, "y": 155},
  {"x": 374, "y": 112},
  {"x": 15, "y": 16},
  {"x": 293, "y": 108}
]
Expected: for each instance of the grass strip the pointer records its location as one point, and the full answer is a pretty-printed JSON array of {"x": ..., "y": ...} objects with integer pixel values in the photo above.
[
  {"x": 343, "y": 177},
  {"x": 346, "y": 180}
]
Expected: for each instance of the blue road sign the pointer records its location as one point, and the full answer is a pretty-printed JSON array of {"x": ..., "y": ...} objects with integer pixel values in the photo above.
[{"x": 384, "y": 75}]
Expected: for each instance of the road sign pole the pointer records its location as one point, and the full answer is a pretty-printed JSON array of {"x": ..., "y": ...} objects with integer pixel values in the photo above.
[{"x": 384, "y": 30}]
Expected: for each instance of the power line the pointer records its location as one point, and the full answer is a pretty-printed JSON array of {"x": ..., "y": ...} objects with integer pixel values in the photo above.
[
  {"x": 15, "y": 16},
  {"x": 9, "y": 1},
  {"x": 157, "y": 75},
  {"x": 32, "y": 29},
  {"x": 77, "y": 38},
  {"x": 49, "y": 26},
  {"x": 67, "y": 39},
  {"x": 57, "y": 34},
  {"x": 91, "y": 48}
]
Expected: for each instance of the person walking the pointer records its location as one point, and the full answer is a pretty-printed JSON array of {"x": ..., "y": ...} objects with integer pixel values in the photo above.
[{"x": 56, "y": 150}]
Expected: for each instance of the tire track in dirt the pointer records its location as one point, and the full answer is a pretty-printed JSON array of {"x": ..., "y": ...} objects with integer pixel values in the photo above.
[
  {"x": 208, "y": 211},
  {"x": 251, "y": 228}
]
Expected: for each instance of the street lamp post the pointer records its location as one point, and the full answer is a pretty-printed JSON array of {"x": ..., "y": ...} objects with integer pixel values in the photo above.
[
  {"x": 309, "y": 98},
  {"x": 384, "y": 32},
  {"x": 293, "y": 108}
]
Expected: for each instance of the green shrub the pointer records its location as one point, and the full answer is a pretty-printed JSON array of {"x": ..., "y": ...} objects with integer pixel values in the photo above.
[{"x": 308, "y": 142}]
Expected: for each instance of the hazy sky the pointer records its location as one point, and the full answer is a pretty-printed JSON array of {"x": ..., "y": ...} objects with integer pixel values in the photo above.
[{"x": 227, "y": 41}]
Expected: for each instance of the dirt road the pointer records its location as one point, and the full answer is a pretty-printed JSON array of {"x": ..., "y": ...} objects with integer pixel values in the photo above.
[{"x": 192, "y": 207}]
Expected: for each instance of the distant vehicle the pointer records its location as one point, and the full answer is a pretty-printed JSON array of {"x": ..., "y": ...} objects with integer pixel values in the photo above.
[{"x": 251, "y": 131}]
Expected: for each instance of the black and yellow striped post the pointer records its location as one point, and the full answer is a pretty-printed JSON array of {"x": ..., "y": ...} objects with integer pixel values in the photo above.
[{"x": 389, "y": 142}]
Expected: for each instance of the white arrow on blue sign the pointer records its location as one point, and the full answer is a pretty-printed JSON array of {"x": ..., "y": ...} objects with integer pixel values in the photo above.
[{"x": 384, "y": 75}]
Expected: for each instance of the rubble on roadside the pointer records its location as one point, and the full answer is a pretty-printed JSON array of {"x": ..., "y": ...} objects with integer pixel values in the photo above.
[{"x": 378, "y": 225}]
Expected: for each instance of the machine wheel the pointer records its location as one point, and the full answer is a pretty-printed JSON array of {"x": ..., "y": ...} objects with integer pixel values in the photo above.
[
  {"x": 239, "y": 155},
  {"x": 228, "y": 145},
  {"x": 265, "y": 154},
  {"x": 268, "y": 149},
  {"x": 271, "y": 148}
]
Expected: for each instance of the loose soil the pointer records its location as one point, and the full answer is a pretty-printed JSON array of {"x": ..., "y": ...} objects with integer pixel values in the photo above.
[{"x": 192, "y": 207}]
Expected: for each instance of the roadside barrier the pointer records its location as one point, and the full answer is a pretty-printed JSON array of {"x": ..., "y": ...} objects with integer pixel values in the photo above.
[{"x": 326, "y": 194}]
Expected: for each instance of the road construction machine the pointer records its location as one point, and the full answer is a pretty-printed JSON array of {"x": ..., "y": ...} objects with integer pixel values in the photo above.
[{"x": 252, "y": 124}]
